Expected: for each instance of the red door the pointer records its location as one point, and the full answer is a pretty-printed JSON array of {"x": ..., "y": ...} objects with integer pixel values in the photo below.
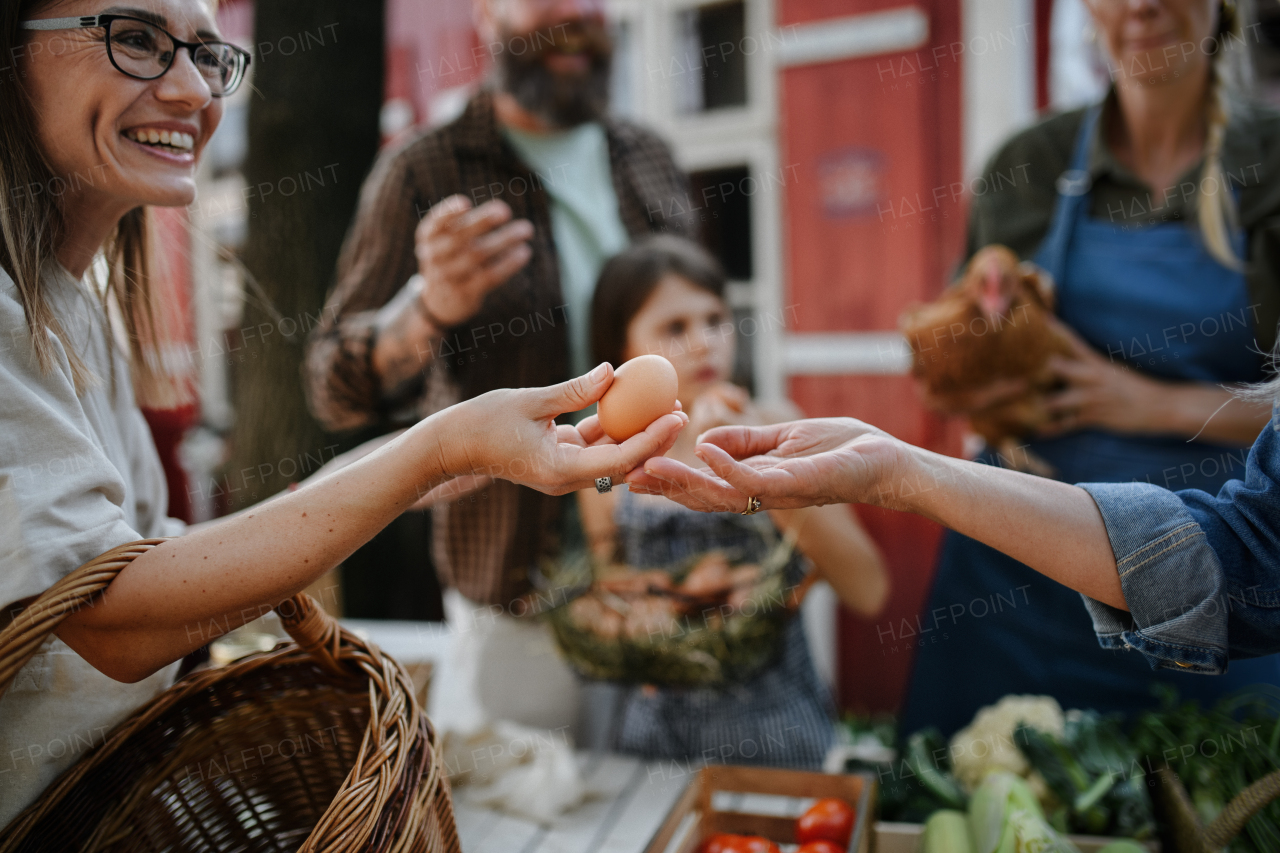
[{"x": 875, "y": 222}]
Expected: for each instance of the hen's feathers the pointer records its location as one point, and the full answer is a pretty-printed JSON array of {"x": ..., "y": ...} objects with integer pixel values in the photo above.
[{"x": 992, "y": 324}]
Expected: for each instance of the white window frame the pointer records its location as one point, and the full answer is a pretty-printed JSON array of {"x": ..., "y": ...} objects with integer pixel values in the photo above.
[{"x": 734, "y": 136}]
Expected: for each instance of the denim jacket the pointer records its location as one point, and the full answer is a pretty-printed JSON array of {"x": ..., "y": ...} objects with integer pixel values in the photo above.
[{"x": 1201, "y": 574}]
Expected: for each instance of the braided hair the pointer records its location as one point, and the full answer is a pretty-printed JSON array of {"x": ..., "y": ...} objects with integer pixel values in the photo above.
[{"x": 1229, "y": 69}]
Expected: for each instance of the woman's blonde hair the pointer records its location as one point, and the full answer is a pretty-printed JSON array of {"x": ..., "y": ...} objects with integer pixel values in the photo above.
[
  {"x": 1229, "y": 70},
  {"x": 32, "y": 225}
]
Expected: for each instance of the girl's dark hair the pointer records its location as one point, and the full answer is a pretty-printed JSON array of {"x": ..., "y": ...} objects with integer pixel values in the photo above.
[{"x": 630, "y": 277}]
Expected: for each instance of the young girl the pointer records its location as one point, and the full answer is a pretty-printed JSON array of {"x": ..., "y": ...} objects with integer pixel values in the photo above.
[{"x": 665, "y": 295}]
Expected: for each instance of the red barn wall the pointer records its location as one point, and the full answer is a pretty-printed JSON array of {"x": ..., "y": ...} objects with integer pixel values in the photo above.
[{"x": 900, "y": 115}]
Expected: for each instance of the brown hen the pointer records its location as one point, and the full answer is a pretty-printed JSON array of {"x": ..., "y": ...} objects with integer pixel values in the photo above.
[{"x": 994, "y": 323}]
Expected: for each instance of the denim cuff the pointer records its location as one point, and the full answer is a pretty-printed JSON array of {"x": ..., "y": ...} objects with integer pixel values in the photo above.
[{"x": 1171, "y": 578}]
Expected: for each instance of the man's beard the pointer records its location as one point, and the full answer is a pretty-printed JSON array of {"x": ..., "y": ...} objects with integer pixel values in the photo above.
[{"x": 560, "y": 100}]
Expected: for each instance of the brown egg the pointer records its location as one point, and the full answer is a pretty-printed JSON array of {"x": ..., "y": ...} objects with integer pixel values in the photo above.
[
  {"x": 709, "y": 578},
  {"x": 643, "y": 390}
]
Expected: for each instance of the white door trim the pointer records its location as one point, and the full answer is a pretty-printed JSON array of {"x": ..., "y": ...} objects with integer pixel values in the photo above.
[
  {"x": 846, "y": 354},
  {"x": 891, "y": 31}
]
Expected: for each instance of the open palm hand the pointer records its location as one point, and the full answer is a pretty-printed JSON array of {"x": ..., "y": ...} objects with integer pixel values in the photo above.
[{"x": 787, "y": 465}]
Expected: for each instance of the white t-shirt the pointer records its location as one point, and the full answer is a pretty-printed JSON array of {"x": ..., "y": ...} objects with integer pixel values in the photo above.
[
  {"x": 79, "y": 475},
  {"x": 573, "y": 167}
]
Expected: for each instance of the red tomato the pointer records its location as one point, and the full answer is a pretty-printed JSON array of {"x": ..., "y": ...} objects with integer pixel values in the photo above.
[
  {"x": 827, "y": 820},
  {"x": 723, "y": 842},
  {"x": 756, "y": 844},
  {"x": 718, "y": 843},
  {"x": 821, "y": 846}
]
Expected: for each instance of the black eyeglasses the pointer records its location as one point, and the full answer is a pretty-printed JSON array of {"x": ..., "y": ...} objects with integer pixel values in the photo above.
[{"x": 144, "y": 51}]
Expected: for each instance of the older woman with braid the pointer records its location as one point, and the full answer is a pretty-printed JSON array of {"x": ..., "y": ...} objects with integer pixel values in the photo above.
[{"x": 1157, "y": 211}]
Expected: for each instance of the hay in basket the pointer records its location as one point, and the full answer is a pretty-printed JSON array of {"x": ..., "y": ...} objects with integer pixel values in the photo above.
[{"x": 715, "y": 620}]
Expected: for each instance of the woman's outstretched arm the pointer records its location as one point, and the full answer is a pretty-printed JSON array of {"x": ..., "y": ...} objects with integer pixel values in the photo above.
[
  {"x": 1053, "y": 527},
  {"x": 193, "y": 589}
]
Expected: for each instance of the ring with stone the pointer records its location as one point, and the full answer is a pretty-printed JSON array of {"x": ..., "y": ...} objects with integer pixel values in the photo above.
[
  {"x": 753, "y": 506},
  {"x": 604, "y": 484}
]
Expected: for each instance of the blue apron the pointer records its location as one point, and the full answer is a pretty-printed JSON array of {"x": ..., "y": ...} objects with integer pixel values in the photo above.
[{"x": 1153, "y": 298}]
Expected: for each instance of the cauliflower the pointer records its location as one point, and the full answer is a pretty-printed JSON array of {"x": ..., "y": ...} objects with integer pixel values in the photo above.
[{"x": 988, "y": 742}]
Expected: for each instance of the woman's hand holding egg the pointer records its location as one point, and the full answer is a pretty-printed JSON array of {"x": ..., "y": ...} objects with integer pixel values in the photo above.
[{"x": 511, "y": 434}]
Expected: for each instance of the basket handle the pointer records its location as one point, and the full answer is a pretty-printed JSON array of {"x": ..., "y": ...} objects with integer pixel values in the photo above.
[
  {"x": 312, "y": 628},
  {"x": 22, "y": 638},
  {"x": 1231, "y": 820}
]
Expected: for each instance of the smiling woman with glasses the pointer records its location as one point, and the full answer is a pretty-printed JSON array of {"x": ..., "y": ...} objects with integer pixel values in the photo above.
[
  {"x": 84, "y": 152},
  {"x": 144, "y": 50}
]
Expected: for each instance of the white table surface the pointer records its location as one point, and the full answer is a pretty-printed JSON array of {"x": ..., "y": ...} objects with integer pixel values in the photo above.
[
  {"x": 405, "y": 641},
  {"x": 630, "y": 797},
  {"x": 630, "y": 800}
]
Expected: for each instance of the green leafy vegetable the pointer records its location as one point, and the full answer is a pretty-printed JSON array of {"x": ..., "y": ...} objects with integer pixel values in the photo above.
[
  {"x": 946, "y": 831},
  {"x": 1000, "y": 795},
  {"x": 940, "y": 783},
  {"x": 1219, "y": 752},
  {"x": 1095, "y": 773},
  {"x": 918, "y": 781},
  {"x": 1032, "y": 834}
]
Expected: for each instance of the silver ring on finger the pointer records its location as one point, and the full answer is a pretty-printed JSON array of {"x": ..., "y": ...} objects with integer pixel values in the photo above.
[{"x": 604, "y": 484}]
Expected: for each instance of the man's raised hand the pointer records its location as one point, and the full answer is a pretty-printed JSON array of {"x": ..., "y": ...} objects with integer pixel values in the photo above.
[{"x": 464, "y": 252}]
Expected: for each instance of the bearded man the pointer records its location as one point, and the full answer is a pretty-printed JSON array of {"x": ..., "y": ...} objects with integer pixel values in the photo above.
[{"x": 470, "y": 266}]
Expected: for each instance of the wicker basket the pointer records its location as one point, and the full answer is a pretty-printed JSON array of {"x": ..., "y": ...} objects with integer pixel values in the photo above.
[
  {"x": 1186, "y": 833},
  {"x": 318, "y": 745},
  {"x": 702, "y": 645}
]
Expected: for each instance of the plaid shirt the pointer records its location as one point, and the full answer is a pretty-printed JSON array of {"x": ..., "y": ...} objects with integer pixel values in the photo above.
[{"x": 485, "y": 544}]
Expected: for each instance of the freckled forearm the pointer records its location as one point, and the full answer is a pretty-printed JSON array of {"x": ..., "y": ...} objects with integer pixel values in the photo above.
[{"x": 186, "y": 592}]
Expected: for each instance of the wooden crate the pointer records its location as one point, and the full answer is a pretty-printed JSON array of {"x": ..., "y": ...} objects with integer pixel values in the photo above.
[{"x": 693, "y": 819}]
